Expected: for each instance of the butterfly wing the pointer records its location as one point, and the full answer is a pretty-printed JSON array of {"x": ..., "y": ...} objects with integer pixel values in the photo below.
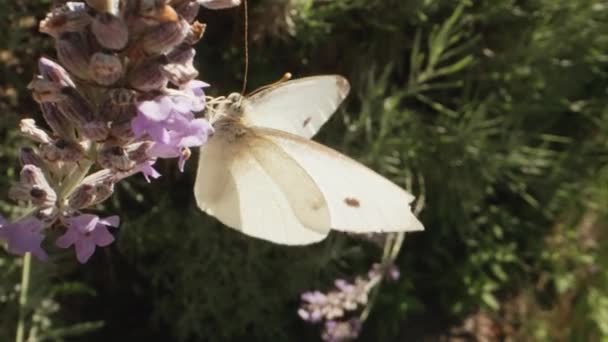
[
  {"x": 251, "y": 185},
  {"x": 359, "y": 200},
  {"x": 300, "y": 106}
]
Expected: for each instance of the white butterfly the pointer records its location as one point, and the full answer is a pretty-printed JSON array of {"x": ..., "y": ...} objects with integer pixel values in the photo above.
[{"x": 260, "y": 174}]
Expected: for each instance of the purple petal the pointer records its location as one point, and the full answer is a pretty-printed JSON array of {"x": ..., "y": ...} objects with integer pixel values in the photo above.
[
  {"x": 160, "y": 150},
  {"x": 84, "y": 223},
  {"x": 84, "y": 249},
  {"x": 25, "y": 236},
  {"x": 157, "y": 110},
  {"x": 67, "y": 239},
  {"x": 101, "y": 236},
  {"x": 157, "y": 130},
  {"x": 197, "y": 133},
  {"x": 148, "y": 171},
  {"x": 139, "y": 125},
  {"x": 112, "y": 221},
  {"x": 303, "y": 314},
  {"x": 179, "y": 122}
]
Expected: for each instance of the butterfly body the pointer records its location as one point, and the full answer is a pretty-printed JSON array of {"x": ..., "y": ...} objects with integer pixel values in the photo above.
[{"x": 259, "y": 173}]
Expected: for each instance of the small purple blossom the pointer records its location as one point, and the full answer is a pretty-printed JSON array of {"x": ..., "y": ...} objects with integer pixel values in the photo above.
[
  {"x": 169, "y": 121},
  {"x": 340, "y": 331},
  {"x": 336, "y": 307},
  {"x": 87, "y": 232},
  {"x": 147, "y": 170},
  {"x": 23, "y": 236}
]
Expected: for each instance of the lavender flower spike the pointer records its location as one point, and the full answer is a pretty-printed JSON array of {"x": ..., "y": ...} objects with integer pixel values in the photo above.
[
  {"x": 337, "y": 306},
  {"x": 122, "y": 95}
]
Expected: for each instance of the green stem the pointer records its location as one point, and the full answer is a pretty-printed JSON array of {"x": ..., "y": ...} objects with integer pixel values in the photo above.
[{"x": 25, "y": 284}]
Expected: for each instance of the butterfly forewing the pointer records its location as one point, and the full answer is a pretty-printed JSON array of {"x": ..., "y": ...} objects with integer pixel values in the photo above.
[{"x": 298, "y": 107}]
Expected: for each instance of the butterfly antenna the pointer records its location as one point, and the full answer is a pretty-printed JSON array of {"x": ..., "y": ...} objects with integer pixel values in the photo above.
[
  {"x": 286, "y": 77},
  {"x": 246, "y": 33}
]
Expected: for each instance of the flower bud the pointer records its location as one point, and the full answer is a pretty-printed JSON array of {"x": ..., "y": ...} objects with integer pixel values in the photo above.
[
  {"x": 33, "y": 187},
  {"x": 179, "y": 74},
  {"x": 110, "y": 31},
  {"x": 122, "y": 96},
  {"x": 101, "y": 176},
  {"x": 187, "y": 10},
  {"x": 73, "y": 53},
  {"x": 121, "y": 130},
  {"x": 57, "y": 121},
  {"x": 75, "y": 107},
  {"x": 114, "y": 108},
  {"x": 119, "y": 109},
  {"x": 62, "y": 150},
  {"x": 71, "y": 17},
  {"x": 90, "y": 194},
  {"x": 105, "y": 69},
  {"x": 147, "y": 76},
  {"x": 45, "y": 91},
  {"x": 180, "y": 69},
  {"x": 96, "y": 130},
  {"x": 182, "y": 54},
  {"x": 82, "y": 197},
  {"x": 195, "y": 34},
  {"x": 138, "y": 151},
  {"x": 115, "y": 158},
  {"x": 28, "y": 156},
  {"x": 162, "y": 38},
  {"x": 52, "y": 71},
  {"x": 32, "y": 175},
  {"x": 103, "y": 191},
  {"x": 28, "y": 128}
]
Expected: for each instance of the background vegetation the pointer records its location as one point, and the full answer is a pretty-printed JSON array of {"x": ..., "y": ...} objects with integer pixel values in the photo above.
[{"x": 496, "y": 110}]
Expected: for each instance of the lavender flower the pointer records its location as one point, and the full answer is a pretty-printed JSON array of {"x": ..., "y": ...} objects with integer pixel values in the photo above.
[
  {"x": 86, "y": 232},
  {"x": 121, "y": 94},
  {"x": 335, "y": 306},
  {"x": 23, "y": 236},
  {"x": 340, "y": 331},
  {"x": 347, "y": 297}
]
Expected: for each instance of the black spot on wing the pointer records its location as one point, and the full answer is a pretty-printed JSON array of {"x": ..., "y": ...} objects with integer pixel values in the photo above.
[
  {"x": 306, "y": 121},
  {"x": 352, "y": 202}
]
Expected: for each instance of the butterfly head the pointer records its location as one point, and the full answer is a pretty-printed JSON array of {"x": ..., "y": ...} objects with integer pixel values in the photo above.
[
  {"x": 227, "y": 111},
  {"x": 234, "y": 105}
]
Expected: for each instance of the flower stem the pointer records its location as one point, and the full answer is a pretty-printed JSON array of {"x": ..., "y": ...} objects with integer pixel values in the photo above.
[{"x": 25, "y": 284}]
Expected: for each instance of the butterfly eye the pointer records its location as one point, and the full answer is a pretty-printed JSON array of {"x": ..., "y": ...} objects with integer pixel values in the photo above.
[{"x": 234, "y": 98}]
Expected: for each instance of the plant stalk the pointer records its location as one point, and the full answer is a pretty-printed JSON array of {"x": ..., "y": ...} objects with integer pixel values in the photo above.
[{"x": 25, "y": 284}]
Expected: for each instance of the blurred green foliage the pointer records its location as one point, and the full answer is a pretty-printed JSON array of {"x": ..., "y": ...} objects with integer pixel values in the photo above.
[{"x": 496, "y": 110}]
